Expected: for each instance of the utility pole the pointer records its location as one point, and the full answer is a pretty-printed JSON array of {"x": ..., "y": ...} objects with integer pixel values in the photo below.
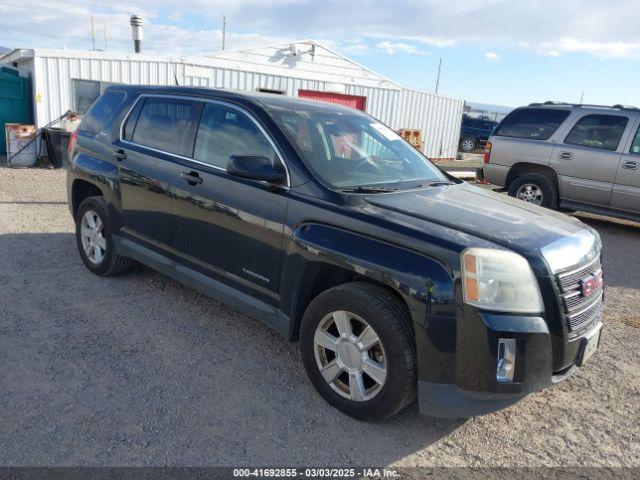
[
  {"x": 93, "y": 32},
  {"x": 224, "y": 31},
  {"x": 438, "y": 75},
  {"x": 582, "y": 97},
  {"x": 106, "y": 35}
]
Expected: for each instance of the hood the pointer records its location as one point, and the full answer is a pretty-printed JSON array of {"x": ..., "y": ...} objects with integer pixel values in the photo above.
[{"x": 528, "y": 229}]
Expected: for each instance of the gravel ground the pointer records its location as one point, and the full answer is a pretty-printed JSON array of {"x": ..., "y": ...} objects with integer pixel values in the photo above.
[{"x": 138, "y": 370}]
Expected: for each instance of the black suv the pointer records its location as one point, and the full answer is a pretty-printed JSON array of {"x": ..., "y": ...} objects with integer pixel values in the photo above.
[
  {"x": 395, "y": 278},
  {"x": 475, "y": 132}
]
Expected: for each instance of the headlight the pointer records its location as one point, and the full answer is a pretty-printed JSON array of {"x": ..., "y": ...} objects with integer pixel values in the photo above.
[{"x": 499, "y": 280}]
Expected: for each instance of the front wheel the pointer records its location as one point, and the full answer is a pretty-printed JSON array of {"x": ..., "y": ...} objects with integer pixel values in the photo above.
[{"x": 357, "y": 346}]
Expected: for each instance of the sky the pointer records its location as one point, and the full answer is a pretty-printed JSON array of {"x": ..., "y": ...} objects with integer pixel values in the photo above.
[{"x": 505, "y": 52}]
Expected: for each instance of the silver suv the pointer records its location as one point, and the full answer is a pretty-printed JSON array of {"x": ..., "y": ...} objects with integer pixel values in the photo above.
[{"x": 575, "y": 157}]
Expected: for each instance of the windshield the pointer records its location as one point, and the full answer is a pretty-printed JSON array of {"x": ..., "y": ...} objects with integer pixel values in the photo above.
[{"x": 353, "y": 150}]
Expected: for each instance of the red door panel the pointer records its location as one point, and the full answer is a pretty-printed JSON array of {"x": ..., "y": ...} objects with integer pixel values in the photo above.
[{"x": 352, "y": 101}]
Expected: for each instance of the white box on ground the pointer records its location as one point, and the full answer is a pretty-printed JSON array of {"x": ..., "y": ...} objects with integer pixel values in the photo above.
[{"x": 21, "y": 150}]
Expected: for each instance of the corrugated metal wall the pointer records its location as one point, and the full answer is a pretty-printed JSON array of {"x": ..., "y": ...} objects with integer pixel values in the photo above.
[{"x": 438, "y": 117}]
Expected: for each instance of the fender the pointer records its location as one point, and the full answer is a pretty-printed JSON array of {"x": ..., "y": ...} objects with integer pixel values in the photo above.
[
  {"x": 425, "y": 284},
  {"x": 103, "y": 174}
]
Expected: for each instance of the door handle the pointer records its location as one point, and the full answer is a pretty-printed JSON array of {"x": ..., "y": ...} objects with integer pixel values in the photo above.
[
  {"x": 631, "y": 165},
  {"x": 565, "y": 156},
  {"x": 192, "y": 178},
  {"x": 119, "y": 155}
]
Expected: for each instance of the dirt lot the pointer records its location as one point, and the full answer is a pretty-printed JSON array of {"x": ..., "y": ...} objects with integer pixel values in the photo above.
[
  {"x": 139, "y": 370},
  {"x": 468, "y": 161}
]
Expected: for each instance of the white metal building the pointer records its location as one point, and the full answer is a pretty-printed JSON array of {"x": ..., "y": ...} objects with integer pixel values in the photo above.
[{"x": 68, "y": 79}]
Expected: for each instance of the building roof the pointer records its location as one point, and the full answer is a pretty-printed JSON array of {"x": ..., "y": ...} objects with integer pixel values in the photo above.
[
  {"x": 306, "y": 56},
  {"x": 306, "y": 60}
]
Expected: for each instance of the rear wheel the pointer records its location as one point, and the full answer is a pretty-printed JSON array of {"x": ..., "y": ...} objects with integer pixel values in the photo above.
[
  {"x": 468, "y": 144},
  {"x": 95, "y": 240},
  {"x": 358, "y": 350},
  {"x": 535, "y": 188}
]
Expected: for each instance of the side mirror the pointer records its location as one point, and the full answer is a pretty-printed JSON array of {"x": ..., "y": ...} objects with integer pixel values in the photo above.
[{"x": 255, "y": 167}]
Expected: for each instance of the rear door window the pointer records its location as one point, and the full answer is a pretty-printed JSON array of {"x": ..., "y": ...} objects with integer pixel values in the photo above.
[
  {"x": 101, "y": 111},
  {"x": 168, "y": 124},
  {"x": 598, "y": 131},
  {"x": 226, "y": 131},
  {"x": 532, "y": 123}
]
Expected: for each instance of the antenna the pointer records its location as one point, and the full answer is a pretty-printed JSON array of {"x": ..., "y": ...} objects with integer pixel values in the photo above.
[
  {"x": 224, "y": 31},
  {"x": 438, "y": 75},
  {"x": 582, "y": 97},
  {"x": 106, "y": 34},
  {"x": 93, "y": 32}
]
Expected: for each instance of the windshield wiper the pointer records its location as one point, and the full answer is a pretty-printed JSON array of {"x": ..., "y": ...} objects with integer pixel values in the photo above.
[
  {"x": 363, "y": 189},
  {"x": 435, "y": 184}
]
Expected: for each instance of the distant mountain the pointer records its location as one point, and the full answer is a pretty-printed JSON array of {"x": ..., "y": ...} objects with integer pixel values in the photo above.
[
  {"x": 489, "y": 107},
  {"x": 4, "y": 50}
]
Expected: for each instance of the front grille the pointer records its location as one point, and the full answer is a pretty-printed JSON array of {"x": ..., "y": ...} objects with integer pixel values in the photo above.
[
  {"x": 586, "y": 316},
  {"x": 580, "y": 310}
]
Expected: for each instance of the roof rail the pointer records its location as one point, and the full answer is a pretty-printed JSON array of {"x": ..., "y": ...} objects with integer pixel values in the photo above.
[{"x": 585, "y": 105}]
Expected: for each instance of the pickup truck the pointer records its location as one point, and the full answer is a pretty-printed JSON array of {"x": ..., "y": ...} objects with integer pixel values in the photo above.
[
  {"x": 474, "y": 132},
  {"x": 397, "y": 280}
]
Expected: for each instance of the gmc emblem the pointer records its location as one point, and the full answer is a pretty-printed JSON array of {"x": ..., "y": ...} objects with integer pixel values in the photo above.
[{"x": 591, "y": 284}]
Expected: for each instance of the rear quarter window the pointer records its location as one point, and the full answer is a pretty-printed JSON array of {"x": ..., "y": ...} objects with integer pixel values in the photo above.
[
  {"x": 532, "y": 123},
  {"x": 101, "y": 111}
]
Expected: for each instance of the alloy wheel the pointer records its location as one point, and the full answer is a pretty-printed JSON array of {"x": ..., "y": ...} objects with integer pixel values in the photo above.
[
  {"x": 350, "y": 356},
  {"x": 94, "y": 242},
  {"x": 531, "y": 193}
]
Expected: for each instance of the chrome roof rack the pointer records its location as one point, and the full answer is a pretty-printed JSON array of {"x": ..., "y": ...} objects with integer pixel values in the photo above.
[{"x": 584, "y": 105}]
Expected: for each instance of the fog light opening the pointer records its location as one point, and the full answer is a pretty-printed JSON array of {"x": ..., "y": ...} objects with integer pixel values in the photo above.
[{"x": 506, "y": 360}]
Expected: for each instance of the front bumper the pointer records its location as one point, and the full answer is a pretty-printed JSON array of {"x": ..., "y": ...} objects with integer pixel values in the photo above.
[
  {"x": 473, "y": 389},
  {"x": 450, "y": 401}
]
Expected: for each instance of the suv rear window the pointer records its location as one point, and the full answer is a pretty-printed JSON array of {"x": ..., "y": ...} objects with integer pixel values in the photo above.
[
  {"x": 532, "y": 123},
  {"x": 101, "y": 111},
  {"x": 598, "y": 131}
]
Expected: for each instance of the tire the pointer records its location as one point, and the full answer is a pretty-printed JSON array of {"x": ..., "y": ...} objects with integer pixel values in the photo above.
[
  {"x": 390, "y": 322},
  {"x": 535, "y": 188},
  {"x": 109, "y": 262},
  {"x": 468, "y": 144}
]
